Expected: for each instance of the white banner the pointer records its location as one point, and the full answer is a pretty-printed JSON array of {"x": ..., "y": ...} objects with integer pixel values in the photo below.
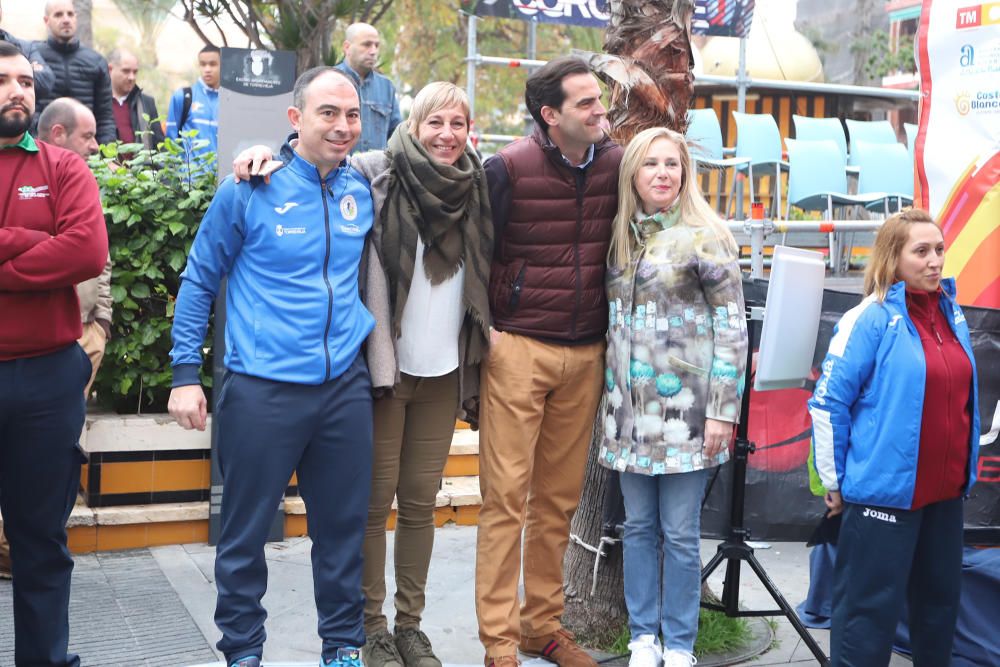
[{"x": 958, "y": 141}]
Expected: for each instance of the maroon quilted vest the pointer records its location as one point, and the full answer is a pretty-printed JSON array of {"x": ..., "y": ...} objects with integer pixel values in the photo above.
[{"x": 547, "y": 280}]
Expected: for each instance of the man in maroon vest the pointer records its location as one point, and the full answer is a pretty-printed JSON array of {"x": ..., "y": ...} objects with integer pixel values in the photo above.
[{"x": 554, "y": 195}]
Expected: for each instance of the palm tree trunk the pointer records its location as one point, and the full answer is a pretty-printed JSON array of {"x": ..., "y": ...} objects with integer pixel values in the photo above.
[{"x": 84, "y": 23}]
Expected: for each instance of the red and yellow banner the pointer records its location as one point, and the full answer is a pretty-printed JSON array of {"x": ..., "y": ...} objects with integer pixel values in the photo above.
[{"x": 958, "y": 142}]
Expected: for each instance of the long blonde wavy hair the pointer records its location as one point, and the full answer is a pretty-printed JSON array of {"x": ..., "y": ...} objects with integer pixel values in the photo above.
[{"x": 695, "y": 211}]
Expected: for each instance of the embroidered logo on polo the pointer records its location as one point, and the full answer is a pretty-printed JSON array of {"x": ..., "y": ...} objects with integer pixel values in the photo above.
[
  {"x": 281, "y": 230},
  {"x": 30, "y": 192},
  {"x": 348, "y": 208}
]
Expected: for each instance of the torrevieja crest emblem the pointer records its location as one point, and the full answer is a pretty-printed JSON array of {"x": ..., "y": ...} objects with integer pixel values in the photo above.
[{"x": 349, "y": 207}]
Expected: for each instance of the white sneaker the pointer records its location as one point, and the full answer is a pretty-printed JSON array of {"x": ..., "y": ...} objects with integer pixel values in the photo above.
[
  {"x": 646, "y": 651},
  {"x": 677, "y": 658}
]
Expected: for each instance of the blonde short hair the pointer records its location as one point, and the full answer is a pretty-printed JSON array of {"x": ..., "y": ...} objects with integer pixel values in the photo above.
[
  {"x": 433, "y": 97},
  {"x": 880, "y": 274}
]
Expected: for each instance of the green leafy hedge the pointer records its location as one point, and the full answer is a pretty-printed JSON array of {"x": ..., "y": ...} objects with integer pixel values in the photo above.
[{"x": 153, "y": 204}]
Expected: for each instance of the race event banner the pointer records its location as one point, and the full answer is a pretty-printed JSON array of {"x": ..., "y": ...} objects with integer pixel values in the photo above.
[
  {"x": 958, "y": 140},
  {"x": 722, "y": 18},
  {"x": 779, "y": 504},
  {"x": 588, "y": 13},
  {"x": 718, "y": 18}
]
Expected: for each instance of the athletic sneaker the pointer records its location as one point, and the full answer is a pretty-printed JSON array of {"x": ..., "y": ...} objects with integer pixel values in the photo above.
[
  {"x": 677, "y": 658},
  {"x": 646, "y": 651},
  {"x": 246, "y": 661},
  {"x": 347, "y": 656}
]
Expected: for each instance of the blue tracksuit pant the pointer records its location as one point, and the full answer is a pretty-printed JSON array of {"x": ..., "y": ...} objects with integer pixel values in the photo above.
[
  {"x": 267, "y": 430},
  {"x": 886, "y": 557},
  {"x": 41, "y": 416}
]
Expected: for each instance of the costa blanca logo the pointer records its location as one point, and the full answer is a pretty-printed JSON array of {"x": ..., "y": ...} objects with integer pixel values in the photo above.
[
  {"x": 29, "y": 192},
  {"x": 349, "y": 208},
  {"x": 880, "y": 515},
  {"x": 984, "y": 101},
  {"x": 963, "y": 103},
  {"x": 281, "y": 230},
  {"x": 289, "y": 205}
]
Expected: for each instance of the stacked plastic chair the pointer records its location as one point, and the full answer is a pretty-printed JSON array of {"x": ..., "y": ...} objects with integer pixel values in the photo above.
[
  {"x": 818, "y": 129},
  {"x": 886, "y": 175},
  {"x": 871, "y": 131},
  {"x": 704, "y": 136},
  {"x": 758, "y": 139},
  {"x": 817, "y": 180}
]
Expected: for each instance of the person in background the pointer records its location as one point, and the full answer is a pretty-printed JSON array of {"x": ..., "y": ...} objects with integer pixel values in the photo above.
[
  {"x": 80, "y": 72},
  {"x": 677, "y": 346},
  {"x": 52, "y": 237},
  {"x": 68, "y": 124},
  {"x": 44, "y": 78},
  {"x": 196, "y": 107},
  {"x": 895, "y": 441},
  {"x": 379, "y": 107},
  {"x": 136, "y": 118}
]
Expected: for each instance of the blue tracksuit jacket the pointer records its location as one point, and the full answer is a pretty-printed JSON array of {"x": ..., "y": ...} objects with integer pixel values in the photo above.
[
  {"x": 868, "y": 403},
  {"x": 291, "y": 250}
]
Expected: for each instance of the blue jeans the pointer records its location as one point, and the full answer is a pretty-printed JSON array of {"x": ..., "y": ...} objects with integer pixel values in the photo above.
[{"x": 663, "y": 519}]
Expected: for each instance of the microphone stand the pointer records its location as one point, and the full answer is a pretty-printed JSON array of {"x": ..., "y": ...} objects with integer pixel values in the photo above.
[{"x": 735, "y": 550}]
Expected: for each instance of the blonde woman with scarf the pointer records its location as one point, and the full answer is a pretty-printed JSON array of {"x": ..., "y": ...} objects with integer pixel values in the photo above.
[
  {"x": 677, "y": 344},
  {"x": 434, "y": 235}
]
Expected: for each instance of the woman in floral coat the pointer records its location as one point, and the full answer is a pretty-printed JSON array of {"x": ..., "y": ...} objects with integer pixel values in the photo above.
[{"x": 677, "y": 345}]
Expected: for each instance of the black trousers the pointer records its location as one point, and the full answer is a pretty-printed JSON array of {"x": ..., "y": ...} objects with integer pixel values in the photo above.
[
  {"x": 886, "y": 557},
  {"x": 41, "y": 416}
]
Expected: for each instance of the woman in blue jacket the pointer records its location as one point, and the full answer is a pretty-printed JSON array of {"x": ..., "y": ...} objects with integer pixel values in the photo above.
[{"x": 896, "y": 438}]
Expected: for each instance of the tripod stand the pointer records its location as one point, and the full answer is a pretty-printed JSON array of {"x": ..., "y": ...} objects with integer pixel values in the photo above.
[{"x": 735, "y": 550}]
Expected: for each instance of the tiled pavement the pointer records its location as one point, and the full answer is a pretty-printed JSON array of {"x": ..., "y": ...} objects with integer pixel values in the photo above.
[
  {"x": 154, "y": 607},
  {"x": 124, "y": 613}
]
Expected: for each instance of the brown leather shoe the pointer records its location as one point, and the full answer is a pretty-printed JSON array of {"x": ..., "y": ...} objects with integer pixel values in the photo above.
[
  {"x": 502, "y": 661},
  {"x": 558, "y": 647}
]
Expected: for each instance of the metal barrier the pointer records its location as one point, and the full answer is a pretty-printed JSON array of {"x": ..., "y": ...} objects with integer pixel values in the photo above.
[{"x": 759, "y": 230}]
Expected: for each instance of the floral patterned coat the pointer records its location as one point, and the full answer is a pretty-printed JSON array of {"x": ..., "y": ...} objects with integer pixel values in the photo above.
[{"x": 677, "y": 347}]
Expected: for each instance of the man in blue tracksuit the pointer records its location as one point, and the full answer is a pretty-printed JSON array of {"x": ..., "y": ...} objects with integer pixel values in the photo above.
[
  {"x": 196, "y": 107},
  {"x": 296, "y": 396}
]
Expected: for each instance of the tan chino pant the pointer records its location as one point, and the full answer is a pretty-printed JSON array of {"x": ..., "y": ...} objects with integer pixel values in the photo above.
[
  {"x": 538, "y": 402},
  {"x": 413, "y": 431},
  {"x": 93, "y": 341}
]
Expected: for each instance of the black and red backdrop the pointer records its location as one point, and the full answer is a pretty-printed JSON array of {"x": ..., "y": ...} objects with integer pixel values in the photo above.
[{"x": 779, "y": 504}]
